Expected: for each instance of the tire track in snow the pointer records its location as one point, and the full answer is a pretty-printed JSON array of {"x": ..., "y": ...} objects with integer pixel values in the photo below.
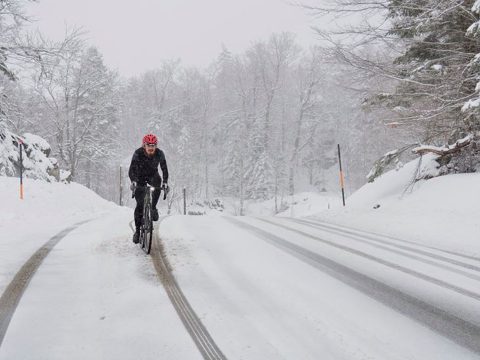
[
  {"x": 432, "y": 280},
  {"x": 461, "y": 331},
  {"x": 372, "y": 235},
  {"x": 16, "y": 288},
  {"x": 199, "y": 334},
  {"x": 409, "y": 252}
]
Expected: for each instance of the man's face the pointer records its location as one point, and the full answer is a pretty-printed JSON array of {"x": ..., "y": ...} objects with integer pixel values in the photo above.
[{"x": 150, "y": 149}]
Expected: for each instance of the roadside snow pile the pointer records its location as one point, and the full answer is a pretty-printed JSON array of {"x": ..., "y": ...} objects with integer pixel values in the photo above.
[
  {"x": 36, "y": 161},
  {"x": 443, "y": 211},
  {"x": 395, "y": 183},
  {"x": 46, "y": 205}
]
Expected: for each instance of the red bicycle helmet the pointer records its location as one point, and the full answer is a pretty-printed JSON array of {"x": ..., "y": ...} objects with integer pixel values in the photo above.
[{"x": 149, "y": 139}]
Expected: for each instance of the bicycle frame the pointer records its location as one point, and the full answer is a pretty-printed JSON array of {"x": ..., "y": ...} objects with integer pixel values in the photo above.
[{"x": 146, "y": 229}]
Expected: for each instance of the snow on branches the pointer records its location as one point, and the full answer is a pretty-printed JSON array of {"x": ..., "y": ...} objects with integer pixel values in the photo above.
[
  {"x": 448, "y": 157},
  {"x": 36, "y": 161},
  {"x": 444, "y": 150},
  {"x": 386, "y": 162}
]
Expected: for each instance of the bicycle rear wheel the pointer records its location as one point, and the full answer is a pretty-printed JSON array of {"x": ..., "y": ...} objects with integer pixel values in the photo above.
[
  {"x": 143, "y": 232},
  {"x": 141, "y": 239}
]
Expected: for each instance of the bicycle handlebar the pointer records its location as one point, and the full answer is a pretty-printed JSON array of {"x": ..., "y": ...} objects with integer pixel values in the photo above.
[
  {"x": 148, "y": 186},
  {"x": 151, "y": 189}
]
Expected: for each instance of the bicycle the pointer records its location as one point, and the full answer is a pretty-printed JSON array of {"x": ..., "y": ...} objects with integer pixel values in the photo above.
[{"x": 146, "y": 228}]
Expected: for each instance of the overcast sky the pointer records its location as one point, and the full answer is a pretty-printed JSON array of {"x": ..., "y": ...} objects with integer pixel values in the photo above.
[{"x": 135, "y": 36}]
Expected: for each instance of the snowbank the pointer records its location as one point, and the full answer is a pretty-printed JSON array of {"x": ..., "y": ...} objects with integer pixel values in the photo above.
[
  {"x": 443, "y": 211},
  {"x": 395, "y": 183},
  {"x": 50, "y": 202}
]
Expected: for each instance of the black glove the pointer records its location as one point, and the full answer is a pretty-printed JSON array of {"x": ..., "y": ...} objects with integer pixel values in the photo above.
[
  {"x": 166, "y": 190},
  {"x": 133, "y": 187}
]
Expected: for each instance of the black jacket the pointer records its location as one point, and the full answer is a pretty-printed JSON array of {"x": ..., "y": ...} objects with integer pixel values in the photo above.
[{"x": 143, "y": 168}]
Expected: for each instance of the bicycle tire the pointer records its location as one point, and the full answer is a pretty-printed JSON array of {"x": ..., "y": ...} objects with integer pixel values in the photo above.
[
  {"x": 148, "y": 238},
  {"x": 143, "y": 232},
  {"x": 142, "y": 236},
  {"x": 147, "y": 221}
]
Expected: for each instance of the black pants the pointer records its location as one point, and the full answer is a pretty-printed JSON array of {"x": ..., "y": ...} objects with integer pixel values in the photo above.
[{"x": 156, "y": 181}]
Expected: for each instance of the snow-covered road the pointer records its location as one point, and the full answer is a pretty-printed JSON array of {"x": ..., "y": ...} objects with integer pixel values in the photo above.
[
  {"x": 321, "y": 293},
  {"x": 96, "y": 296},
  {"x": 262, "y": 288}
]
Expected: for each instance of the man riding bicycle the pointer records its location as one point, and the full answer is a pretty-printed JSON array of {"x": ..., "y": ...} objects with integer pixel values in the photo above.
[{"x": 144, "y": 169}]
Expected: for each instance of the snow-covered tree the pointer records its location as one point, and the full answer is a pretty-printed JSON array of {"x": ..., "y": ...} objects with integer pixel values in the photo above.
[
  {"x": 36, "y": 162},
  {"x": 79, "y": 93},
  {"x": 425, "y": 52}
]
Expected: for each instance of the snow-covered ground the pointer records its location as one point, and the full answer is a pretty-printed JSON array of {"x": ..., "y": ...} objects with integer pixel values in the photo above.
[
  {"x": 96, "y": 295},
  {"x": 285, "y": 308},
  {"x": 443, "y": 211},
  {"x": 259, "y": 302},
  {"x": 264, "y": 288}
]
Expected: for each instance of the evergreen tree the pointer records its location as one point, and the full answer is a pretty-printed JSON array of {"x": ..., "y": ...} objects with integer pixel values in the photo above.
[{"x": 433, "y": 68}]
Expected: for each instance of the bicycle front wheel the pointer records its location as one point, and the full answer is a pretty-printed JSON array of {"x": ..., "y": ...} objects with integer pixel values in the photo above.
[
  {"x": 148, "y": 229},
  {"x": 148, "y": 239}
]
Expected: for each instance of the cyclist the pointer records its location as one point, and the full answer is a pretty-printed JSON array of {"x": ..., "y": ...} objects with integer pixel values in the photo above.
[{"x": 144, "y": 169}]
